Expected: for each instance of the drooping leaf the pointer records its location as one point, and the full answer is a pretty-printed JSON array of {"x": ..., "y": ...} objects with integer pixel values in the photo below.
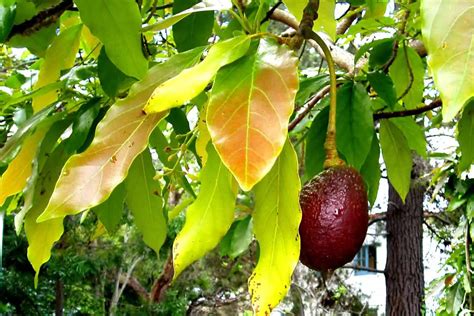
[
  {"x": 238, "y": 238},
  {"x": 249, "y": 108},
  {"x": 14, "y": 179},
  {"x": 42, "y": 236},
  {"x": 326, "y": 21},
  {"x": 210, "y": 216},
  {"x": 112, "y": 80},
  {"x": 354, "y": 123},
  {"x": 7, "y": 17},
  {"x": 407, "y": 72},
  {"x": 110, "y": 212},
  {"x": 195, "y": 29},
  {"x": 465, "y": 137},
  {"x": 314, "y": 151},
  {"x": 384, "y": 87},
  {"x": 60, "y": 55},
  {"x": 370, "y": 170},
  {"x": 276, "y": 218},
  {"x": 171, "y": 93},
  {"x": 413, "y": 133},
  {"x": 397, "y": 157},
  {"x": 117, "y": 23},
  {"x": 88, "y": 178},
  {"x": 145, "y": 202},
  {"x": 447, "y": 28},
  {"x": 199, "y": 7}
]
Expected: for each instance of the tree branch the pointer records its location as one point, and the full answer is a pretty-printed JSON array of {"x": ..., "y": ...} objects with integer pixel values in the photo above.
[
  {"x": 163, "y": 282},
  {"x": 308, "y": 107},
  {"x": 384, "y": 115},
  {"x": 42, "y": 19}
]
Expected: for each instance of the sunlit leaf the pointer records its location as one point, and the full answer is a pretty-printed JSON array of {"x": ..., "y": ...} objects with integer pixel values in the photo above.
[
  {"x": 407, "y": 72},
  {"x": 249, "y": 108},
  {"x": 145, "y": 202},
  {"x": 448, "y": 28},
  {"x": 60, "y": 55},
  {"x": 370, "y": 170},
  {"x": 326, "y": 21},
  {"x": 171, "y": 93},
  {"x": 397, "y": 157},
  {"x": 37, "y": 42},
  {"x": 203, "y": 137},
  {"x": 117, "y": 23},
  {"x": 209, "y": 218},
  {"x": 110, "y": 212},
  {"x": 7, "y": 17},
  {"x": 195, "y": 29},
  {"x": 376, "y": 8},
  {"x": 466, "y": 137},
  {"x": 200, "y": 7},
  {"x": 354, "y": 123},
  {"x": 276, "y": 218},
  {"x": 14, "y": 179},
  {"x": 89, "y": 177}
]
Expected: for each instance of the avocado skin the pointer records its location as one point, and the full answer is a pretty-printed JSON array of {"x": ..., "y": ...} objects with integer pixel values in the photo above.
[{"x": 335, "y": 218}]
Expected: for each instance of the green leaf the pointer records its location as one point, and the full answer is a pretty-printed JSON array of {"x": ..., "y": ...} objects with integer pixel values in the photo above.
[
  {"x": 465, "y": 137},
  {"x": 276, "y": 217},
  {"x": 407, "y": 72},
  {"x": 249, "y": 107},
  {"x": 42, "y": 236},
  {"x": 200, "y": 7},
  {"x": 171, "y": 94},
  {"x": 238, "y": 238},
  {"x": 209, "y": 218},
  {"x": 370, "y": 170},
  {"x": 384, "y": 87},
  {"x": 314, "y": 152},
  {"x": 368, "y": 47},
  {"x": 37, "y": 42},
  {"x": 110, "y": 212},
  {"x": 447, "y": 30},
  {"x": 381, "y": 53},
  {"x": 414, "y": 134},
  {"x": 310, "y": 86},
  {"x": 195, "y": 29},
  {"x": 376, "y": 8},
  {"x": 117, "y": 23},
  {"x": 397, "y": 156},
  {"x": 88, "y": 178},
  {"x": 326, "y": 21},
  {"x": 145, "y": 202},
  {"x": 112, "y": 80},
  {"x": 355, "y": 125},
  {"x": 59, "y": 56},
  {"x": 7, "y": 17}
]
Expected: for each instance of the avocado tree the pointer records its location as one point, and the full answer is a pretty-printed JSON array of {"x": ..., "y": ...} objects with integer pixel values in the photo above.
[{"x": 225, "y": 109}]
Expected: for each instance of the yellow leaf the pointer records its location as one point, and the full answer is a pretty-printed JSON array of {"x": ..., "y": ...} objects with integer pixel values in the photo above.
[{"x": 59, "y": 56}]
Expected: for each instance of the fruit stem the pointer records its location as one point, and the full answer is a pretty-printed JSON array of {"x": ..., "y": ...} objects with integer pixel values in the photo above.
[
  {"x": 332, "y": 157},
  {"x": 310, "y": 14}
]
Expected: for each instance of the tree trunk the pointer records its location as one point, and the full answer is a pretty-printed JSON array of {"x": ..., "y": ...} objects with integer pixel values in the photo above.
[
  {"x": 59, "y": 304},
  {"x": 404, "y": 270}
]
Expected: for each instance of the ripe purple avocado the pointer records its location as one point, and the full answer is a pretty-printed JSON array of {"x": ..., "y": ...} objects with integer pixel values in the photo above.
[{"x": 335, "y": 218}]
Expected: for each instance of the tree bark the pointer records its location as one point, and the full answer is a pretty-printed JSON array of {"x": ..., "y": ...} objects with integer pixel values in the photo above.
[
  {"x": 59, "y": 304},
  {"x": 404, "y": 276}
]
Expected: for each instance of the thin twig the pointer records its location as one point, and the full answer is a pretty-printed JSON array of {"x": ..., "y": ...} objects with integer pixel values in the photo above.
[
  {"x": 270, "y": 12},
  {"x": 410, "y": 73},
  {"x": 308, "y": 107},
  {"x": 384, "y": 115}
]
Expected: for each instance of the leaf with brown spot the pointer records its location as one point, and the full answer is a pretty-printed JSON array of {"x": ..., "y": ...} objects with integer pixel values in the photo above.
[
  {"x": 88, "y": 178},
  {"x": 249, "y": 108}
]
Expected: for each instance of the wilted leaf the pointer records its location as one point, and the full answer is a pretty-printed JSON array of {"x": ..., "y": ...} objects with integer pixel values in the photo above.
[
  {"x": 370, "y": 170},
  {"x": 110, "y": 212},
  {"x": 326, "y": 21},
  {"x": 88, "y": 178},
  {"x": 117, "y": 23},
  {"x": 145, "y": 202},
  {"x": 276, "y": 217},
  {"x": 447, "y": 28},
  {"x": 466, "y": 137},
  {"x": 354, "y": 123},
  {"x": 60, "y": 55},
  {"x": 407, "y": 72},
  {"x": 249, "y": 108},
  {"x": 171, "y": 93},
  {"x": 397, "y": 157},
  {"x": 209, "y": 218}
]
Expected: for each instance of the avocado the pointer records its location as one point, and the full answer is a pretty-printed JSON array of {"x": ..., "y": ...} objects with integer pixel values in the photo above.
[{"x": 335, "y": 218}]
